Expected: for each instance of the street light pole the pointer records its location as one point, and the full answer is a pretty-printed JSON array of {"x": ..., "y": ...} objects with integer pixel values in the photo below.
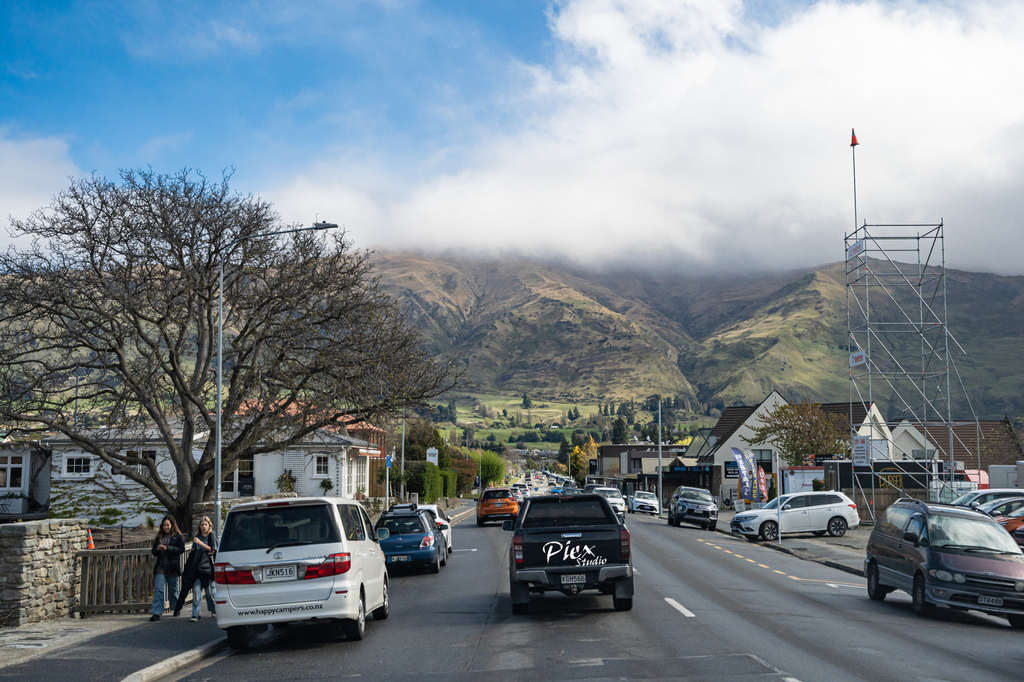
[
  {"x": 220, "y": 355},
  {"x": 659, "y": 457}
]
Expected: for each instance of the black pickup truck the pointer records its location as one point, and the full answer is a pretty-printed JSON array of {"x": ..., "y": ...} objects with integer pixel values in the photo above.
[{"x": 569, "y": 544}]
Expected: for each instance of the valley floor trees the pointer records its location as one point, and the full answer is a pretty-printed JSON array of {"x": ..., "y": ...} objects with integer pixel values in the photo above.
[{"x": 114, "y": 309}]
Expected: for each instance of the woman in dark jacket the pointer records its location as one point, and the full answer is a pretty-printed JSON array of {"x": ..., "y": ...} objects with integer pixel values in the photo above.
[
  {"x": 199, "y": 571},
  {"x": 168, "y": 546}
]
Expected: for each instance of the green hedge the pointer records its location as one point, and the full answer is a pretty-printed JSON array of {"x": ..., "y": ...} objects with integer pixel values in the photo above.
[
  {"x": 433, "y": 483},
  {"x": 450, "y": 478}
]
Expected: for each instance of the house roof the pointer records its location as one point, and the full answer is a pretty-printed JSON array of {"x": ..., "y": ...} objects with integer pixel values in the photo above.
[
  {"x": 995, "y": 441},
  {"x": 860, "y": 410}
]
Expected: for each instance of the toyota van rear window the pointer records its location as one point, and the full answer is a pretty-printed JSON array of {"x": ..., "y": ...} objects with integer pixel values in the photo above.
[{"x": 305, "y": 524}]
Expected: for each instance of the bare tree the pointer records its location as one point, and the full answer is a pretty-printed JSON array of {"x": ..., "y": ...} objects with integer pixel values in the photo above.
[{"x": 114, "y": 307}]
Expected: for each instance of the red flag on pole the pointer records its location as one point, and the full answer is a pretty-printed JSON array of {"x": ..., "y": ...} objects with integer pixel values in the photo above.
[{"x": 853, "y": 138}]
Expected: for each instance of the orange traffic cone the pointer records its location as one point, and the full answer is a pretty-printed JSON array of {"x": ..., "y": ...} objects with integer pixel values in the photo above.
[{"x": 91, "y": 546}]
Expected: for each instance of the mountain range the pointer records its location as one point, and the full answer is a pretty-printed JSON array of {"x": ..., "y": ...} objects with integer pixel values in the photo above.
[{"x": 711, "y": 340}]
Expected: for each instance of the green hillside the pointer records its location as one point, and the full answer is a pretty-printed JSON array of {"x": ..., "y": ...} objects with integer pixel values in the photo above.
[{"x": 570, "y": 335}]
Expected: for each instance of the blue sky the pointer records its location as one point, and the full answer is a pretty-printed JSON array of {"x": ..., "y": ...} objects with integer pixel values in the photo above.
[{"x": 708, "y": 132}]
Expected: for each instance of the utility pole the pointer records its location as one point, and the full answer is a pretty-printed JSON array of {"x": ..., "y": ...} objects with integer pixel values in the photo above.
[
  {"x": 403, "y": 459},
  {"x": 660, "y": 502}
]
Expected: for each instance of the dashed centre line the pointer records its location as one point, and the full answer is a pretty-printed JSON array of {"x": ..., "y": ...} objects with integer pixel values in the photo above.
[{"x": 680, "y": 608}]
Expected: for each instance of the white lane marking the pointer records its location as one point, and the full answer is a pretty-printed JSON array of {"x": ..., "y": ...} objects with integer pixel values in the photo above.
[
  {"x": 856, "y": 587},
  {"x": 463, "y": 550},
  {"x": 680, "y": 608},
  {"x": 790, "y": 679}
]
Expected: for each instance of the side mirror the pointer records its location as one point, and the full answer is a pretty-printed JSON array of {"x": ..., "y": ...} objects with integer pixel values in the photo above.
[
  {"x": 508, "y": 525},
  {"x": 787, "y": 507},
  {"x": 383, "y": 533},
  {"x": 911, "y": 538}
]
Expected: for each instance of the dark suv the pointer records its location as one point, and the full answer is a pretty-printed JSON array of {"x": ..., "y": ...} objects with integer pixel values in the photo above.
[
  {"x": 946, "y": 555},
  {"x": 695, "y": 505}
]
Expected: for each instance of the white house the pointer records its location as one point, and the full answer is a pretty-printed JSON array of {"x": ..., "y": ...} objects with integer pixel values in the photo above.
[
  {"x": 82, "y": 485},
  {"x": 24, "y": 480}
]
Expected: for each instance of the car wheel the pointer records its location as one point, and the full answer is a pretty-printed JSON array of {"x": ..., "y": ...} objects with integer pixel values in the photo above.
[
  {"x": 239, "y": 636},
  {"x": 384, "y": 610},
  {"x": 770, "y": 530},
  {"x": 875, "y": 590},
  {"x": 356, "y": 629},
  {"x": 444, "y": 559},
  {"x": 712, "y": 526},
  {"x": 630, "y": 510},
  {"x": 624, "y": 604},
  {"x": 520, "y": 609},
  {"x": 837, "y": 527},
  {"x": 922, "y": 606},
  {"x": 436, "y": 566},
  {"x": 1016, "y": 621},
  {"x": 675, "y": 522},
  {"x": 670, "y": 519}
]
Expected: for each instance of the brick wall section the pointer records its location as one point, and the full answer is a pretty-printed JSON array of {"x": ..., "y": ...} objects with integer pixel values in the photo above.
[{"x": 38, "y": 576}]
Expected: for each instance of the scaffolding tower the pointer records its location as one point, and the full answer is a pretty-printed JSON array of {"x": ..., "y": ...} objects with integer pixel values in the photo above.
[{"x": 901, "y": 349}]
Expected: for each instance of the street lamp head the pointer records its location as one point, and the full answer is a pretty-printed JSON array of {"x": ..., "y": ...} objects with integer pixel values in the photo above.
[{"x": 324, "y": 226}]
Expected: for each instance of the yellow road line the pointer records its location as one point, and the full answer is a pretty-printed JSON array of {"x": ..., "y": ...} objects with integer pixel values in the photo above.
[
  {"x": 778, "y": 571},
  {"x": 763, "y": 566}
]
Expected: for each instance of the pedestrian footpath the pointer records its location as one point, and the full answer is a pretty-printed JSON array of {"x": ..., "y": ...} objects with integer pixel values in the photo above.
[{"x": 106, "y": 647}]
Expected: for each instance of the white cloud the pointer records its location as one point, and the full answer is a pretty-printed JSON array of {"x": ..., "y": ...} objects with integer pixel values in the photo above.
[
  {"x": 32, "y": 172},
  {"x": 682, "y": 125}
]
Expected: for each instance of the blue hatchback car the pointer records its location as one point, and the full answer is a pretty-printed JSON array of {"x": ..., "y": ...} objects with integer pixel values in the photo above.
[{"x": 415, "y": 540}]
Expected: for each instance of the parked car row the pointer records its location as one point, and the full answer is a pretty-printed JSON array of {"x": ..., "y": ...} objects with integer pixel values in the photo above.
[{"x": 319, "y": 557}]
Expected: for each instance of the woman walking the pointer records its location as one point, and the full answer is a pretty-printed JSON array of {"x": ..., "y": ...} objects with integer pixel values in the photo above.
[
  {"x": 199, "y": 571},
  {"x": 168, "y": 546}
]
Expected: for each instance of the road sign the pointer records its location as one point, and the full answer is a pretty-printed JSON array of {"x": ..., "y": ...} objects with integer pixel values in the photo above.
[
  {"x": 858, "y": 358},
  {"x": 861, "y": 446},
  {"x": 432, "y": 456},
  {"x": 389, "y": 462}
]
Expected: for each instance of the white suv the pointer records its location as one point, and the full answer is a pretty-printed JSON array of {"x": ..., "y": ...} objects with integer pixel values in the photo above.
[
  {"x": 293, "y": 559},
  {"x": 614, "y": 498},
  {"x": 818, "y": 513}
]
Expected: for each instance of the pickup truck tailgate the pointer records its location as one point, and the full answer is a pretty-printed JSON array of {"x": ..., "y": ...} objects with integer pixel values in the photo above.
[{"x": 572, "y": 548}]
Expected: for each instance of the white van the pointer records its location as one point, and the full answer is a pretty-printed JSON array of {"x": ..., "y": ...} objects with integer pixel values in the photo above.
[{"x": 296, "y": 559}]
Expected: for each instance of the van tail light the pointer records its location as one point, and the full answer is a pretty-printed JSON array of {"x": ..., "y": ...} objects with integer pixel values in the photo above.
[
  {"x": 336, "y": 564},
  {"x": 428, "y": 541},
  {"x": 226, "y": 574},
  {"x": 624, "y": 543},
  {"x": 517, "y": 549}
]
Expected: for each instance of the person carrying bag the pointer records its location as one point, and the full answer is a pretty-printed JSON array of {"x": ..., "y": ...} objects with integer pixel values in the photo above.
[
  {"x": 199, "y": 571},
  {"x": 168, "y": 546}
]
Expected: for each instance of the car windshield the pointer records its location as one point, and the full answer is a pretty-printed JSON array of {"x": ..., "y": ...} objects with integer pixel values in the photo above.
[
  {"x": 965, "y": 498},
  {"x": 970, "y": 535},
  {"x": 771, "y": 505},
  {"x": 698, "y": 495},
  {"x": 608, "y": 492},
  {"x": 645, "y": 496},
  {"x": 399, "y": 525},
  {"x": 305, "y": 524}
]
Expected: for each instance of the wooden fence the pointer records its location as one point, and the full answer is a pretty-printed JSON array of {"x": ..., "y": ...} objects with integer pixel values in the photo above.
[{"x": 120, "y": 580}]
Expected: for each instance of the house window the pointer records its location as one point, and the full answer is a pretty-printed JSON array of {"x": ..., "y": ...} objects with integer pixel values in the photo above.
[
  {"x": 361, "y": 477},
  {"x": 77, "y": 466},
  {"x": 350, "y": 472},
  {"x": 320, "y": 465},
  {"x": 11, "y": 467},
  {"x": 136, "y": 460},
  {"x": 243, "y": 469}
]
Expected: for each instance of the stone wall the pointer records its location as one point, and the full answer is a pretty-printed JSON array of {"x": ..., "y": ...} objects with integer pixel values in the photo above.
[{"x": 38, "y": 575}]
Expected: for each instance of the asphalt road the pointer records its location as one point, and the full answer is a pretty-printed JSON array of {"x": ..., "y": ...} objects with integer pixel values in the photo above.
[{"x": 707, "y": 606}]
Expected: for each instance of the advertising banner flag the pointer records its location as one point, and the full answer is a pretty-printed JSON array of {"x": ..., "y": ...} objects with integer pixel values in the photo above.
[
  {"x": 762, "y": 485},
  {"x": 746, "y": 473}
]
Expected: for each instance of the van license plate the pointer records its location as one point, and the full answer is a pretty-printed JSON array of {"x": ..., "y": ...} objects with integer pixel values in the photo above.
[
  {"x": 276, "y": 573},
  {"x": 574, "y": 579},
  {"x": 990, "y": 601}
]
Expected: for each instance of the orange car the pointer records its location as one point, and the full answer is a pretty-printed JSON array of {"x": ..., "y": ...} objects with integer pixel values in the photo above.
[
  {"x": 495, "y": 504},
  {"x": 1012, "y": 521}
]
